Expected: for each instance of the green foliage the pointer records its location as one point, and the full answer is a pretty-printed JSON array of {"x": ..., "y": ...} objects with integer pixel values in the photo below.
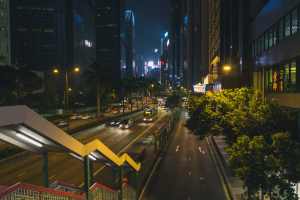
[
  {"x": 262, "y": 138},
  {"x": 17, "y": 83},
  {"x": 173, "y": 100}
]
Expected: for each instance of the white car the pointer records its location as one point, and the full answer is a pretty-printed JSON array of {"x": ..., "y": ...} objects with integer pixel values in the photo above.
[
  {"x": 75, "y": 117},
  {"x": 86, "y": 117}
]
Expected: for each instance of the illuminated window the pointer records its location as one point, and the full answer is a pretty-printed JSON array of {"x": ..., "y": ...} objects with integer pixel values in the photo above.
[
  {"x": 275, "y": 35},
  {"x": 287, "y": 25},
  {"x": 281, "y": 29},
  {"x": 271, "y": 38},
  {"x": 293, "y": 73},
  {"x": 266, "y": 41},
  {"x": 294, "y": 21}
]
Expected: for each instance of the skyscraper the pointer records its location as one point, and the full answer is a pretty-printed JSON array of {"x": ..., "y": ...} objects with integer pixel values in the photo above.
[
  {"x": 127, "y": 43},
  {"x": 52, "y": 33},
  {"x": 108, "y": 19},
  {"x": 4, "y": 32},
  {"x": 188, "y": 40}
]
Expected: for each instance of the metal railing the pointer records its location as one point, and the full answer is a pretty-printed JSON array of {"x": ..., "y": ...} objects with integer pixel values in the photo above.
[
  {"x": 22, "y": 191},
  {"x": 102, "y": 192}
]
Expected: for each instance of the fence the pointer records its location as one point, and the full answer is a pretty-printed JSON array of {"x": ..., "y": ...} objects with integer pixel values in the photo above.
[{"x": 21, "y": 191}]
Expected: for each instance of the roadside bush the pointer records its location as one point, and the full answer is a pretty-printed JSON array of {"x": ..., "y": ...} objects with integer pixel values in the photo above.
[{"x": 262, "y": 138}]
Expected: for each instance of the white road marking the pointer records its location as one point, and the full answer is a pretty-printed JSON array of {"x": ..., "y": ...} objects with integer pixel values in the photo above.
[{"x": 200, "y": 149}]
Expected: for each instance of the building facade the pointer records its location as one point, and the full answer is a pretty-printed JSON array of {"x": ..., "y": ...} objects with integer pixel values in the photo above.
[
  {"x": 275, "y": 36},
  {"x": 108, "y": 43},
  {"x": 52, "y": 33},
  {"x": 127, "y": 44},
  {"x": 4, "y": 32},
  {"x": 188, "y": 36}
]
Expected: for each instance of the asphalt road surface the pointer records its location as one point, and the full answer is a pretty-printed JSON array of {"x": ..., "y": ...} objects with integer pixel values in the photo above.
[
  {"x": 186, "y": 171},
  {"x": 64, "y": 167}
]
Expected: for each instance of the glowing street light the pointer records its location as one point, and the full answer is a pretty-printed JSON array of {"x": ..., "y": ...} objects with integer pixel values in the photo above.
[
  {"x": 166, "y": 34},
  {"x": 55, "y": 71},
  {"x": 77, "y": 69},
  {"x": 67, "y": 90},
  {"x": 227, "y": 68}
]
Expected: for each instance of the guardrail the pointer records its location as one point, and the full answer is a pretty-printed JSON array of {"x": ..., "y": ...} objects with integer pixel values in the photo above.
[
  {"x": 22, "y": 191},
  {"x": 32, "y": 192},
  {"x": 102, "y": 192}
]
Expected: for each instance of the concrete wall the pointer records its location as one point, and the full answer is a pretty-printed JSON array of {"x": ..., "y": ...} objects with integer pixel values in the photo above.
[{"x": 286, "y": 99}]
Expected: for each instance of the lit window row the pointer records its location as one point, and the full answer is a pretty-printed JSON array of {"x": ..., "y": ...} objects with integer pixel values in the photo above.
[
  {"x": 284, "y": 28},
  {"x": 281, "y": 78}
]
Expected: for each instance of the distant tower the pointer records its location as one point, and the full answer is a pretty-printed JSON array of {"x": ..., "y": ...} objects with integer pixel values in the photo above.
[{"x": 127, "y": 42}]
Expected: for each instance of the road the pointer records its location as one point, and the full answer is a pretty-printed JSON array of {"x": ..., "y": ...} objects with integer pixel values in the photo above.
[
  {"x": 64, "y": 167},
  {"x": 186, "y": 171}
]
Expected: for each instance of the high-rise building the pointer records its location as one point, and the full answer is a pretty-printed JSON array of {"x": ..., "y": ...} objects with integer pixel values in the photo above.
[
  {"x": 227, "y": 41},
  {"x": 4, "y": 32},
  {"x": 52, "y": 33},
  {"x": 127, "y": 44},
  {"x": 275, "y": 39},
  {"x": 188, "y": 56},
  {"x": 108, "y": 19}
]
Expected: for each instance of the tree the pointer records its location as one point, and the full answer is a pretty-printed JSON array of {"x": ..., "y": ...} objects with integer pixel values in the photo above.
[
  {"x": 174, "y": 100},
  {"x": 17, "y": 82},
  {"x": 98, "y": 76},
  {"x": 265, "y": 167}
]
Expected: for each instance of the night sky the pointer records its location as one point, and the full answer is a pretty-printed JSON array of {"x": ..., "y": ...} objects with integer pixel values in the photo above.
[{"x": 152, "y": 20}]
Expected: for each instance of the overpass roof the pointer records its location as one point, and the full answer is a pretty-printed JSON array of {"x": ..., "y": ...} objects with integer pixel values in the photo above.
[{"x": 22, "y": 127}]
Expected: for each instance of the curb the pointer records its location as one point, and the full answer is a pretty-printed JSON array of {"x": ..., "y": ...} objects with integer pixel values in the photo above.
[
  {"x": 156, "y": 164},
  {"x": 220, "y": 168}
]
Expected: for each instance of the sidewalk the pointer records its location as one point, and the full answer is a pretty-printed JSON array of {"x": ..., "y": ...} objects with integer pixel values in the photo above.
[{"x": 235, "y": 185}]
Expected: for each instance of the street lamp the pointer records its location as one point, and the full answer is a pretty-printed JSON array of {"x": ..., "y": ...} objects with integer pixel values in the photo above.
[
  {"x": 67, "y": 89},
  {"x": 227, "y": 68}
]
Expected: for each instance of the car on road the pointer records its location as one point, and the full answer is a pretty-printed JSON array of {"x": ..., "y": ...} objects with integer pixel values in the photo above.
[
  {"x": 62, "y": 124},
  {"x": 85, "y": 117},
  {"x": 150, "y": 114},
  {"x": 114, "y": 123},
  {"x": 126, "y": 124},
  {"x": 75, "y": 117}
]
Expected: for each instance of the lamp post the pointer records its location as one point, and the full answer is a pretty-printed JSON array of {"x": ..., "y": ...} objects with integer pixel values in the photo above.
[
  {"x": 67, "y": 89},
  {"x": 227, "y": 68}
]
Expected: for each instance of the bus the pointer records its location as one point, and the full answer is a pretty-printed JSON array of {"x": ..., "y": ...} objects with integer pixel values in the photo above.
[{"x": 150, "y": 115}]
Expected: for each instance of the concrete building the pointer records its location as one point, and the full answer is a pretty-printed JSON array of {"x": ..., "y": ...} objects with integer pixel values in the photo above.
[
  {"x": 52, "y": 33},
  {"x": 275, "y": 38},
  {"x": 108, "y": 28},
  {"x": 4, "y": 32}
]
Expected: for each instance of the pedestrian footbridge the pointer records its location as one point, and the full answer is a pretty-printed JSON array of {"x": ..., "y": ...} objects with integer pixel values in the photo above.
[{"x": 22, "y": 127}]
